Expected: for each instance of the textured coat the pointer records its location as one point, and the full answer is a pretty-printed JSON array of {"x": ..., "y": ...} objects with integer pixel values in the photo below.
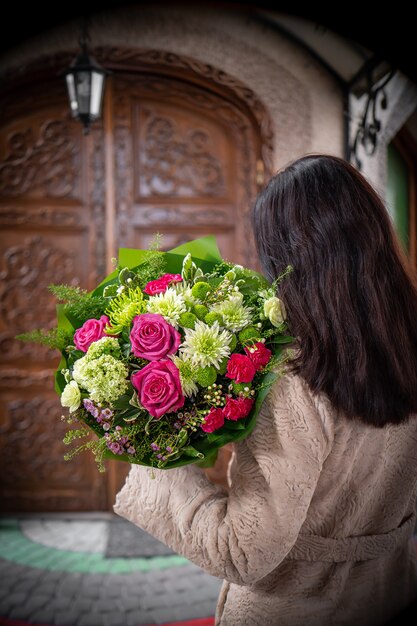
[{"x": 316, "y": 526}]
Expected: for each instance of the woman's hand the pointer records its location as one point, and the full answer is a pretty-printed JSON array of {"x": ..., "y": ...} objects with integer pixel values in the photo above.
[{"x": 218, "y": 473}]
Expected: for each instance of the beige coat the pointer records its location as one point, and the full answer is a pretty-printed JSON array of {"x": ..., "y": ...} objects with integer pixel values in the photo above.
[{"x": 316, "y": 528}]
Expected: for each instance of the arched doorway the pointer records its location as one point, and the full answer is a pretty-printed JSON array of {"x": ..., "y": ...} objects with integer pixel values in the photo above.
[{"x": 180, "y": 151}]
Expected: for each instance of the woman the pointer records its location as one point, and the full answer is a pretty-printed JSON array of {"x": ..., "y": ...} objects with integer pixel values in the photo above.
[{"x": 316, "y": 525}]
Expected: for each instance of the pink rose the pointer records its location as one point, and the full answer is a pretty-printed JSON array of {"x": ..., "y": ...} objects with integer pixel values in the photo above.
[
  {"x": 237, "y": 408},
  {"x": 159, "y": 387},
  {"x": 240, "y": 368},
  {"x": 258, "y": 354},
  {"x": 213, "y": 420},
  {"x": 152, "y": 337},
  {"x": 91, "y": 331},
  {"x": 160, "y": 285}
]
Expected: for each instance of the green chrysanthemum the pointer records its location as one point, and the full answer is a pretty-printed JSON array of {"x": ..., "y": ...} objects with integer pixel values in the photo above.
[
  {"x": 169, "y": 304},
  {"x": 235, "y": 314},
  {"x": 206, "y": 345},
  {"x": 187, "y": 375},
  {"x": 206, "y": 376},
  {"x": 104, "y": 378},
  {"x": 123, "y": 308}
]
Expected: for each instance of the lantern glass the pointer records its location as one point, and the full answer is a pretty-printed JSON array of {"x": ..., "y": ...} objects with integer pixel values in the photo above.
[
  {"x": 83, "y": 88},
  {"x": 72, "y": 95},
  {"x": 97, "y": 80}
]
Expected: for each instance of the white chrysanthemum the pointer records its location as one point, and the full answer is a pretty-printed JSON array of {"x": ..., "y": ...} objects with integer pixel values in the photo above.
[
  {"x": 187, "y": 374},
  {"x": 206, "y": 345},
  {"x": 184, "y": 290},
  {"x": 169, "y": 304},
  {"x": 234, "y": 313}
]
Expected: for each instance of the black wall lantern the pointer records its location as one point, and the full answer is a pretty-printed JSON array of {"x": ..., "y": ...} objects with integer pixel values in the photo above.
[{"x": 85, "y": 84}]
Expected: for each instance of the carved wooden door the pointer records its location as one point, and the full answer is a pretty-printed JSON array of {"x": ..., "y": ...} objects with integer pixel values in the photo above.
[{"x": 172, "y": 157}]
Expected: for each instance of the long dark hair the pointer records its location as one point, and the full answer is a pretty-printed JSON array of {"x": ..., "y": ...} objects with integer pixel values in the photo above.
[{"x": 351, "y": 299}]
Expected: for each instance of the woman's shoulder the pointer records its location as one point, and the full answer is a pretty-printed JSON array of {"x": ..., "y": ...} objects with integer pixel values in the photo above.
[{"x": 295, "y": 407}]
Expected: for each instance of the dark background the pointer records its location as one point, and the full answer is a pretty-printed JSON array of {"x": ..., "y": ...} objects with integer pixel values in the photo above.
[{"x": 391, "y": 34}]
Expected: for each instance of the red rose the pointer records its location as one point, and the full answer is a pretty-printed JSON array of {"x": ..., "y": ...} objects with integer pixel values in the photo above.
[
  {"x": 92, "y": 330},
  {"x": 258, "y": 354},
  {"x": 152, "y": 337},
  {"x": 213, "y": 420},
  {"x": 240, "y": 368},
  {"x": 160, "y": 285},
  {"x": 236, "y": 408},
  {"x": 159, "y": 387}
]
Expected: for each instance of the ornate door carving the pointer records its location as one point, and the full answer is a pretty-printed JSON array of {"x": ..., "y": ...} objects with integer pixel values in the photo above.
[
  {"x": 185, "y": 163},
  {"x": 179, "y": 159}
]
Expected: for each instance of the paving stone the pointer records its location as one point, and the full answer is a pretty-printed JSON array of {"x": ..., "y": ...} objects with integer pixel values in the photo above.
[
  {"x": 59, "y": 604},
  {"x": 24, "y": 585},
  {"x": 169, "y": 614},
  {"x": 68, "y": 588},
  {"x": 47, "y": 589},
  {"x": 150, "y": 602},
  {"x": 43, "y": 616},
  {"x": 20, "y": 612},
  {"x": 135, "y": 618},
  {"x": 115, "y": 619},
  {"x": 67, "y": 618},
  {"x": 17, "y": 598},
  {"x": 113, "y": 591},
  {"x": 36, "y": 601},
  {"x": 132, "y": 603},
  {"x": 84, "y": 605},
  {"x": 92, "y": 619},
  {"x": 105, "y": 605}
]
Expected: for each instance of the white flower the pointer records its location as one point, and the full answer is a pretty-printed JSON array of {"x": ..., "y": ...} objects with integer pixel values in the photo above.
[
  {"x": 274, "y": 310},
  {"x": 169, "y": 304},
  {"x": 71, "y": 396},
  {"x": 187, "y": 374},
  {"x": 184, "y": 290},
  {"x": 235, "y": 314},
  {"x": 206, "y": 345}
]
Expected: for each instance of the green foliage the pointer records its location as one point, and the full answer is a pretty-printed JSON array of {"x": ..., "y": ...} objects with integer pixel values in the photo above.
[
  {"x": 223, "y": 365},
  {"x": 54, "y": 338},
  {"x": 67, "y": 293},
  {"x": 233, "y": 342},
  {"x": 79, "y": 305},
  {"x": 153, "y": 267}
]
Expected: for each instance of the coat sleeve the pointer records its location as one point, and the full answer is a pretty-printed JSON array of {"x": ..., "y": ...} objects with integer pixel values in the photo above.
[{"x": 242, "y": 535}]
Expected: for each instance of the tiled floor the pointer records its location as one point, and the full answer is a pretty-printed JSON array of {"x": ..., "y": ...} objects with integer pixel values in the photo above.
[{"x": 56, "y": 571}]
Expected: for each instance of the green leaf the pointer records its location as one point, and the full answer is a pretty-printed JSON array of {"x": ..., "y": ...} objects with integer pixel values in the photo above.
[
  {"x": 60, "y": 382},
  {"x": 281, "y": 339},
  {"x": 110, "y": 291},
  {"x": 234, "y": 425},
  {"x": 191, "y": 451},
  {"x": 204, "y": 248},
  {"x": 187, "y": 267}
]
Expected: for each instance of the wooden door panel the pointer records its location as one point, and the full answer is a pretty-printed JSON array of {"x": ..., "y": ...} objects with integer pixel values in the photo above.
[
  {"x": 180, "y": 152},
  {"x": 184, "y": 166},
  {"x": 47, "y": 236}
]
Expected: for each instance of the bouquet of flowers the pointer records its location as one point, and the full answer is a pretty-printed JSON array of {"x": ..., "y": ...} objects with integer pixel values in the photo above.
[{"x": 169, "y": 358}]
